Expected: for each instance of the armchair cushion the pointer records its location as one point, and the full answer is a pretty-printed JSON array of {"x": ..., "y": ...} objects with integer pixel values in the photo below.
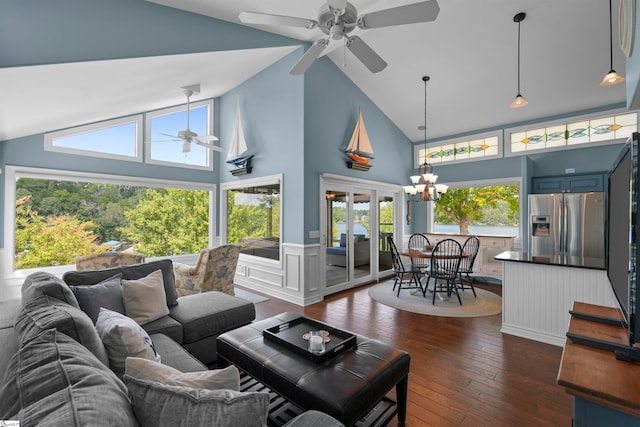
[{"x": 214, "y": 271}]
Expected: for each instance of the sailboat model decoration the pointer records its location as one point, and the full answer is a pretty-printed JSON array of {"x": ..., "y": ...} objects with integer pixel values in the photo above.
[
  {"x": 237, "y": 152},
  {"x": 359, "y": 149}
]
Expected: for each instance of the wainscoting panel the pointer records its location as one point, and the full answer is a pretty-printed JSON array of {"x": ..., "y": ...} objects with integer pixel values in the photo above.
[{"x": 536, "y": 299}]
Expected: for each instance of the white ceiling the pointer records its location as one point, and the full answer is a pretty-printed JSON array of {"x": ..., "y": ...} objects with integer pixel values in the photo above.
[{"x": 469, "y": 52}]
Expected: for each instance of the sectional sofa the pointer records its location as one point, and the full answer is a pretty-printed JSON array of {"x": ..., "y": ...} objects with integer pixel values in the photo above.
[{"x": 66, "y": 361}]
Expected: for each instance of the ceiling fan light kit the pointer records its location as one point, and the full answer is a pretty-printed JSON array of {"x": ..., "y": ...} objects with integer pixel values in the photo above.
[
  {"x": 338, "y": 18},
  {"x": 519, "y": 101}
]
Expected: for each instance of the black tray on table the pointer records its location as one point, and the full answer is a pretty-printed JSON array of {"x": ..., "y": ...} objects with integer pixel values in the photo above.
[{"x": 289, "y": 334}]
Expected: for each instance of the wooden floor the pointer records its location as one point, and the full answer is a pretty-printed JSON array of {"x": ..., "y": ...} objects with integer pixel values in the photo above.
[{"x": 464, "y": 372}]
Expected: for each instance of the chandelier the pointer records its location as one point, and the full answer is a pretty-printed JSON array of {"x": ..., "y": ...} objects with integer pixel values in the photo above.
[{"x": 424, "y": 187}]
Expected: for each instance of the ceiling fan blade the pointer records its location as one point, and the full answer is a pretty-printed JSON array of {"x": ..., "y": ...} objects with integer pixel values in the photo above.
[
  {"x": 208, "y": 145},
  {"x": 175, "y": 137},
  {"x": 410, "y": 14},
  {"x": 365, "y": 54},
  {"x": 309, "y": 56},
  {"x": 258, "y": 18},
  {"x": 207, "y": 137}
]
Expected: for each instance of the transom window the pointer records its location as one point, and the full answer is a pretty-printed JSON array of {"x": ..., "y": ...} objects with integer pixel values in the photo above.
[
  {"x": 115, "y": 139},
  {"x": 164, "y": 147},
  {"x": 612, "y": 128},
  {"x": 457, "y": 150}
]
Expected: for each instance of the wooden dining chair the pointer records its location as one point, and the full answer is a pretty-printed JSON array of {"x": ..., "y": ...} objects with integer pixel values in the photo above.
[
  {"x": 421, "y": 242},
  {"x": 402, "y": 272},
  {"x": 445, "y": 262},
  {"x": 470, "y": 249}
]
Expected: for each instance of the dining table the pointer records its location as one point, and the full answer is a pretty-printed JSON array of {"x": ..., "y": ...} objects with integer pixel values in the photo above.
[{"x": 427, "y": 253}]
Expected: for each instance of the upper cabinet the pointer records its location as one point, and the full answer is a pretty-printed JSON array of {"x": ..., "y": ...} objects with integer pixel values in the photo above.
[{"x": 568, "y": 183}]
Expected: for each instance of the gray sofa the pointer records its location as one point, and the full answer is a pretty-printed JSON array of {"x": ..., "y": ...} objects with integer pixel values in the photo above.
[{"x": 55, "y": 367}]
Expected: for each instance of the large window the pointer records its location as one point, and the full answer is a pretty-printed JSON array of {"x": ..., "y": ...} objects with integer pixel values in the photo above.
[
  {"x": 252, "y": 216},
  {"x": 53, "y": 217},
  {"x": 114, "y": 139},
  {"x": 163, "y": 146}
]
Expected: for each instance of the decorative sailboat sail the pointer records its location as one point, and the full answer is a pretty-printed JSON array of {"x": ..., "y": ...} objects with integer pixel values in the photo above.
[
  {"x": 237, "y": 152},
  {"x": 359, "y": 149}
]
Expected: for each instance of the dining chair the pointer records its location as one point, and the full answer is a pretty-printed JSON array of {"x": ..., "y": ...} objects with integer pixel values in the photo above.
[
  {"x": 470, "y": 249},
  {"x": 421, "y": 242},
  {"x": 402, "y": 272},
  {"x": 445, "y": 262}
]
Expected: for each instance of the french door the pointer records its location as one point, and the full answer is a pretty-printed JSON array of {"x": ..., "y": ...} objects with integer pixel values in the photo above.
[{"x": 356, "y": 220}]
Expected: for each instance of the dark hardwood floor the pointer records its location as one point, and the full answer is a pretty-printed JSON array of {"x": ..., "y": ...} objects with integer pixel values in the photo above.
[{"x": 464, "y": 372}]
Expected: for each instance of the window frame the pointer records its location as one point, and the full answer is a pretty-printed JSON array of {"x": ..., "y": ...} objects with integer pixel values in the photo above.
[
  {"x": 50, "y": 137},
  {"x": 176, "y": 109},
  {"x": 253, "y": 182},
  {"x": 12, "y": 173},
  {"x": 483, "y": 135},
  {"x": 564, "y": 121}
]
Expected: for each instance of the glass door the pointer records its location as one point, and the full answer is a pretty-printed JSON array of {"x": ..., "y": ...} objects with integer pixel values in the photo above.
[
  {"x": 385, "y": 228},
  {"x": 348, "y": 239}
]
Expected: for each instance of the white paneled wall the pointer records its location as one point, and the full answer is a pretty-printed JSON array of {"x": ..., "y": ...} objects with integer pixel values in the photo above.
[{"x": 536, "y": 298}]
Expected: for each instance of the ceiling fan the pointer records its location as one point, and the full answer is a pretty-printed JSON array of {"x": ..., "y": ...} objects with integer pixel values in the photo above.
[
  {"x": 337, "y": 18},
  {"x": 188, "y": 136}
]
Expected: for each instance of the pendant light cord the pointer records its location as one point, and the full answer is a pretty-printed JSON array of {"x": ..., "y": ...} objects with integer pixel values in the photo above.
[
  {"x": 610, "y": 36},
  {"x": 518, "y": 58}
]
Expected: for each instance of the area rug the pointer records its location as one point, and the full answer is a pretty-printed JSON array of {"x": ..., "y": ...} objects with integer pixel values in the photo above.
[
  {"x": 486, "y": 304},
  {"x": 249, "y": 296}
]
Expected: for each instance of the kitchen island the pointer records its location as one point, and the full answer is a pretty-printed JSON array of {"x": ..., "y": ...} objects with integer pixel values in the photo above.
[{"x": 539, "y": 291}]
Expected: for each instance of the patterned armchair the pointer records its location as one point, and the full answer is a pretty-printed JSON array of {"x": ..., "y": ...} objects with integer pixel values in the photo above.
[
  {"x": 214, "y": 271},
  {"x": 107, "y": 260}
]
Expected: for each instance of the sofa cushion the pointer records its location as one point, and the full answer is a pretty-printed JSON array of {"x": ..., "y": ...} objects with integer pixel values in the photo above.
[
  {"x": 53, "y": 380},
  {"x": 176, "y": 356},
  {"x": 215, "y": 379},
  {"x": 158, "y": 405},
  {"x": 41, "y": 283},
  {"x": 165, "y": 325},
  {"x": 123, "y": 337},
  {"x": 211, "y": 313},
  {"x": 144, "y": 298},
  {"x": 46, "y": 312},
  {"x": 129, "y": 272},
  {"x": 107, "y": 294}
]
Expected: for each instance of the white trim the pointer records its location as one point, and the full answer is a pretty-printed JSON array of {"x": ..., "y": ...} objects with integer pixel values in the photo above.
[
  {"x": 172, "y": 110},
  {"x": 12, "y": 173},
  {"x": 556, "y": 122},
  {"x": 496, "y": 133},
  {"x": 330, "y": 179},
  {"x": 50, "y": 137},
  {"x": 252, "y": 182}
]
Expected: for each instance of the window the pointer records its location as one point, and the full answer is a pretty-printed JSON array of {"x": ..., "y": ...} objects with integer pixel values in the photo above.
[
  {"x": 114, "y": 139},
  {"x": 458, "y": 150},
  {"x": 163, "y": 145},
  {"x": 578, "y": 132},
  {"x": 489, "y": 209},
  {"x": 53, "y": 216},
  {"x": 252, "y": 216}
]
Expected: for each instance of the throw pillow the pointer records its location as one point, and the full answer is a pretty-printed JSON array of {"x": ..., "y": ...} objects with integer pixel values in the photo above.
[
  {"x": 47, "y": 312},
  {"x": 123, "y": 337},
  {"x": 107, "y": 294},
  {"x": 227, "y": 378},
  {"x": 54, "y": 381},
  {"x": 159, "y": 405},
  {"x": 144, "y": 299}
]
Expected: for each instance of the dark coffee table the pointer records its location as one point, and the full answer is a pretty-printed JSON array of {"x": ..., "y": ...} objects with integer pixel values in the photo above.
[{"x": 350, "y": 386}]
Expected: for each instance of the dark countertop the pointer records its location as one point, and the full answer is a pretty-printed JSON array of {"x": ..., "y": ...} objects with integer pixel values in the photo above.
[{"x": 559, "y": 260}]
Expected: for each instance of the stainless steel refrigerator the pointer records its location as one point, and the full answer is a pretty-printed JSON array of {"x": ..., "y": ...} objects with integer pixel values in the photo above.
[{"x": 567, "y": 224}]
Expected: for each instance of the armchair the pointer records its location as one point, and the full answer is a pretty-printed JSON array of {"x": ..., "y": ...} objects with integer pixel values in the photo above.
[
  {"x": 214, "y": 271},
  {"x": 107, "y": 260}
]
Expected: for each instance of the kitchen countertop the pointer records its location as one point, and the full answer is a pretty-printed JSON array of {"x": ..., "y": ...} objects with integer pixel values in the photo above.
[{"x": 559, "y": 260}]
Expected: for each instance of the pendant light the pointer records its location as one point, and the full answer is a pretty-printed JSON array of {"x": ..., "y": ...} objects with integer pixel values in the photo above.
[
  {"x": 612, "y": 78},
  {"x": 519, "y": 101}
]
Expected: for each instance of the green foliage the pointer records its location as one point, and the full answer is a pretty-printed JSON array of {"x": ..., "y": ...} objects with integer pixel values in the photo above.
[
  {"x": 54, "y": 240},
  {"x": 169, "y": 222},
  {"x": 251, "y": 217},
  {"x": 496, "y": 205}
]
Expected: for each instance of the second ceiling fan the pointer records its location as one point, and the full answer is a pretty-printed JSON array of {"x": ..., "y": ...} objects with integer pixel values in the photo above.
[{"x": 337, "y": 18}]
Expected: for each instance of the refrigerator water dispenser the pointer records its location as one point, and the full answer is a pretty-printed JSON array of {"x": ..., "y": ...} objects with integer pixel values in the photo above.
[{"x": 540, "y": 226}]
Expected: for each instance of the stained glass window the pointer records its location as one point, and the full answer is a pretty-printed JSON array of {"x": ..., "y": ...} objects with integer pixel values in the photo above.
[
  {"x": 475, "y": 149},
  {"x": 611, "y": 128}
]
